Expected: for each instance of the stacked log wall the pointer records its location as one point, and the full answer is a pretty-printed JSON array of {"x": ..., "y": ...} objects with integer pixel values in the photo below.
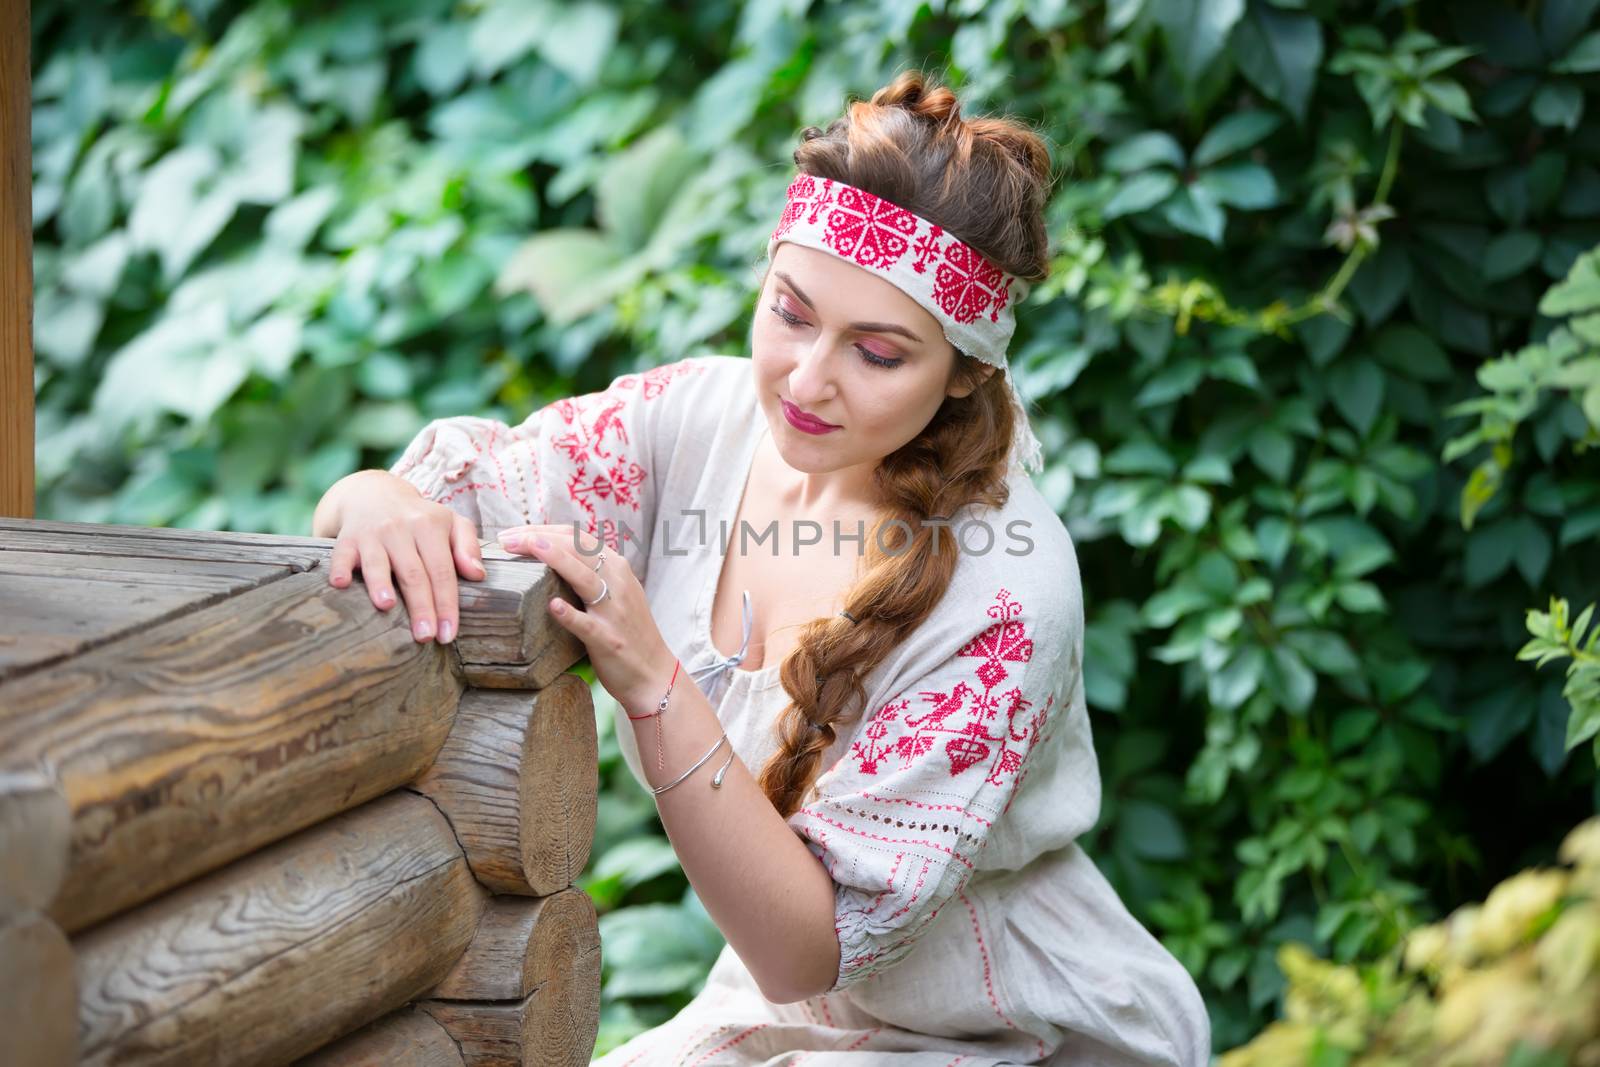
[{"x": 246, "y": 819}]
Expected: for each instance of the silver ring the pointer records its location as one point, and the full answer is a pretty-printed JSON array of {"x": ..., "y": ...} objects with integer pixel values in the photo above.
[
  {"x": 598, "y": 561},
  {"x": 604, "y": 589}
]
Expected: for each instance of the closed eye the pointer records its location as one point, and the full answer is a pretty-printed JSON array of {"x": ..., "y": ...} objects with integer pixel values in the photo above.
[{"x": 795, "y": 322}]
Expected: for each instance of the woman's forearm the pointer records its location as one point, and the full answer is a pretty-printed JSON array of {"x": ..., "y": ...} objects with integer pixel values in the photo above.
[{"x": 772, "y": 899}]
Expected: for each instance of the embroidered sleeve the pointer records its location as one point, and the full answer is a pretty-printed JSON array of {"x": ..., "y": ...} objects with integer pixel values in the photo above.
[
  {"x": 590, "y": 459},
  {"x": 901, "y": 818}
]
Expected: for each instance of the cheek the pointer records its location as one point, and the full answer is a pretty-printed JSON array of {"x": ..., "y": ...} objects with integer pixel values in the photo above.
[
  {"x": 766, "y": 352},
  {"x": 900, "y": 412}
]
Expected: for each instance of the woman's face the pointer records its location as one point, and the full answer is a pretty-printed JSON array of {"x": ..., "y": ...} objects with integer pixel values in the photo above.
[{"x": 847, "y": 348}]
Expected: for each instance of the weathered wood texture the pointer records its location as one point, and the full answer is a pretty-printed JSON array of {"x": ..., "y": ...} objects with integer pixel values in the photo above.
[
  {"x": 38, "y": 994},
  {"x": 182, "y": 747},
  {"x": 527, "y": 990},
  {"x": 286, "y": 949},
  {"x": 507, "y": 638},
  {"x": 16, "y": 263},
  {"x": 518, "y": 779},
  {"x": 245, "y": 818},
  {"x": 406, "y": 1038},
  {"x": 521, "y": 944},
  {"x": 46, "y": 592}
]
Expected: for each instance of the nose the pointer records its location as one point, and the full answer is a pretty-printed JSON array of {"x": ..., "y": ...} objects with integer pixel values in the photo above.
[{"x": 811, "y": 380}]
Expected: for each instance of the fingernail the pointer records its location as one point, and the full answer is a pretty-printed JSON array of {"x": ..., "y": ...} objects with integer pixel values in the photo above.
[
  {"x": 542, "y": 541},
  {"x": 446, "y": 632},
  {"x": 385, "y": 597},
  {"x": 511, "y": 541},
  {"x": 422, "y": 629}
]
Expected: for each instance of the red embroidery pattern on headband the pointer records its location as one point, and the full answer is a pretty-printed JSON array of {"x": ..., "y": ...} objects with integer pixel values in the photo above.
[
  {"x": 927, "y": 248},
  {"x": 877, "y": 233},
  {"x": 804, "y": 193},
  {"x": 873, "y": 232},
  {"x": 801, "y": 190},
  {"x": 962, "y": 715},
  {"x": 965, "y": 284}
]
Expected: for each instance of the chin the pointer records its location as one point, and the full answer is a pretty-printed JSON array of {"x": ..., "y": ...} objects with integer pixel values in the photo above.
[{"x": 802, "y": 451}]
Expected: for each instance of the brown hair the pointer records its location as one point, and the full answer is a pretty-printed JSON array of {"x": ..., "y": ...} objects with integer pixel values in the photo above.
[{"x": 984, "y": 180}]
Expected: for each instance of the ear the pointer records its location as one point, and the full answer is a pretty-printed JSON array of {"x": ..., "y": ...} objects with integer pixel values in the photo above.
[{"x": 959, "y": 391}]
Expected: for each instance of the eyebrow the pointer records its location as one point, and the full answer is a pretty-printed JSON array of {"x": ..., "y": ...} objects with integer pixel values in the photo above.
[{"x": 869, "y": 327}]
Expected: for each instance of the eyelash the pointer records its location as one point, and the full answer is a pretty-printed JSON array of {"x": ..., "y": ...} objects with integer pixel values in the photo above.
[{"x": 875, "y": 360}]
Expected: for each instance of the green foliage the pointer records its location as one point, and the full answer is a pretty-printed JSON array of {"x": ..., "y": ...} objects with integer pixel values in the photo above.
[
  {"x": 1554, "y": 639},
  {"x": 1509, "y": 983},
  {"x": 273, "y": 239},
  {"x": 1567, "y": 358}
]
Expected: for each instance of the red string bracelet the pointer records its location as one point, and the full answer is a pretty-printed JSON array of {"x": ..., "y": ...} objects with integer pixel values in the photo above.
[
  {"x": 663, "y": 705},
  {"x": 656, "y": 715}
]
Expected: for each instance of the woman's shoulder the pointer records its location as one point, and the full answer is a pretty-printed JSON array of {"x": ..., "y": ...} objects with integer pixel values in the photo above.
[
  {"x": 1021, "y": 554},
  {"x": 699, "y": 390},
  {"x": 712, "y": 372}
]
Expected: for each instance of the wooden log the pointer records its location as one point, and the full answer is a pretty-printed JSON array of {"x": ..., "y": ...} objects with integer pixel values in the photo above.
[
  {"x": 35, "y": 833},
  {"x": 406, "y": 1038},
  {"x": 524, "y": 943},
  {"x": 493, "y": 1033},
  {"x": 507, "y": 638},
  {"x": 285, "y": 950},
  {"x": 527, "y": 990},
  {"x": 55, "y": 608},
  {"x": 518, "y": 779},
  {"x": 159, "y": 542},
  {"x": 38, "y": 994},
  {"x": 188, "y": 745}
]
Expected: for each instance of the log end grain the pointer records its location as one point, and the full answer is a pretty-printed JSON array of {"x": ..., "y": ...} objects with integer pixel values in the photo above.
[{"x": 518, "y": 778}]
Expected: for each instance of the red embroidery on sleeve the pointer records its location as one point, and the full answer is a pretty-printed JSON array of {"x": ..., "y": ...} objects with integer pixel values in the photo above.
[
  {"x": 963, "y": 715},
  {"x": 595, "y": 440}
]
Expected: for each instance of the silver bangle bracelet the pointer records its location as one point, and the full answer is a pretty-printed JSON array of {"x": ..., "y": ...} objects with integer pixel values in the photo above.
[{"x": 658, "y": 790}]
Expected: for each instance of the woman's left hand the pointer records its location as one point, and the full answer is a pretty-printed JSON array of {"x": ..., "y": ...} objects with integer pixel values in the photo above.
[{"x": 630, "y": 657}]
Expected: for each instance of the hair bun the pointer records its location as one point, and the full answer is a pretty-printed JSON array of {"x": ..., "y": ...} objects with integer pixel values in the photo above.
[{"x": 910, "y": 91}]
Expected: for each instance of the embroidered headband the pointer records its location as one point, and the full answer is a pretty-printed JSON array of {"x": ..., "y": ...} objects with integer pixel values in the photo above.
[{"x": 970, "y": 296}]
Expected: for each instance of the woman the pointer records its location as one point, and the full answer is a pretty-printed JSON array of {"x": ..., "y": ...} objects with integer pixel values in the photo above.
[{"x": 877, "y": 795}]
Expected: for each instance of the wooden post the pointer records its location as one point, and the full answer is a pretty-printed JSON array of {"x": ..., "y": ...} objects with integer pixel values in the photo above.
[{"x": 16, "y": 264}]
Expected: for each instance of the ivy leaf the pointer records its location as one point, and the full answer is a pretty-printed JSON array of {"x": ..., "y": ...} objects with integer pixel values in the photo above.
[
  {"x": 1140, "y": 193},
  {"x": 1584, "y": 58},
  {"x": 1196, "y": 31},
  {"x": 1151, "y": 831},
  {"x": 1558, "y": 104},
  {"x": 1242, "y": 185},
  {"x": 1195, "y": 209},
  {"x": 1356, "y": 386},
  {"x": 443, "y": 57},
  {"x": 1235, "y": 133},
  {"x": 1510, "y": 254},
  {"x": 1280, "y": 54},
  {"x": 1143, "y": 151},
  {"x": 570, "y": 272}
]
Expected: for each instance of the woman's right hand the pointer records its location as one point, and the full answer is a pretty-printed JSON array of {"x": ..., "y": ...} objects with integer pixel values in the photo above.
[{"x": 385, "y": 528}]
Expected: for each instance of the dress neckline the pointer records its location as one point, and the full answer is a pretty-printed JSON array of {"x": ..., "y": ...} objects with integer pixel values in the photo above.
[{"x": 767, "y": 675}]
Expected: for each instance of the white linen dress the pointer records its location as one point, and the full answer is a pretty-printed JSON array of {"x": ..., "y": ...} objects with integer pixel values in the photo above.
[{"x": 973, "y": 929}]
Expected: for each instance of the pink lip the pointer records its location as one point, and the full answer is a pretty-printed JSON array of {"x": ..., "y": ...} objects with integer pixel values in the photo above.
[{"x": 803, "y": 422}]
